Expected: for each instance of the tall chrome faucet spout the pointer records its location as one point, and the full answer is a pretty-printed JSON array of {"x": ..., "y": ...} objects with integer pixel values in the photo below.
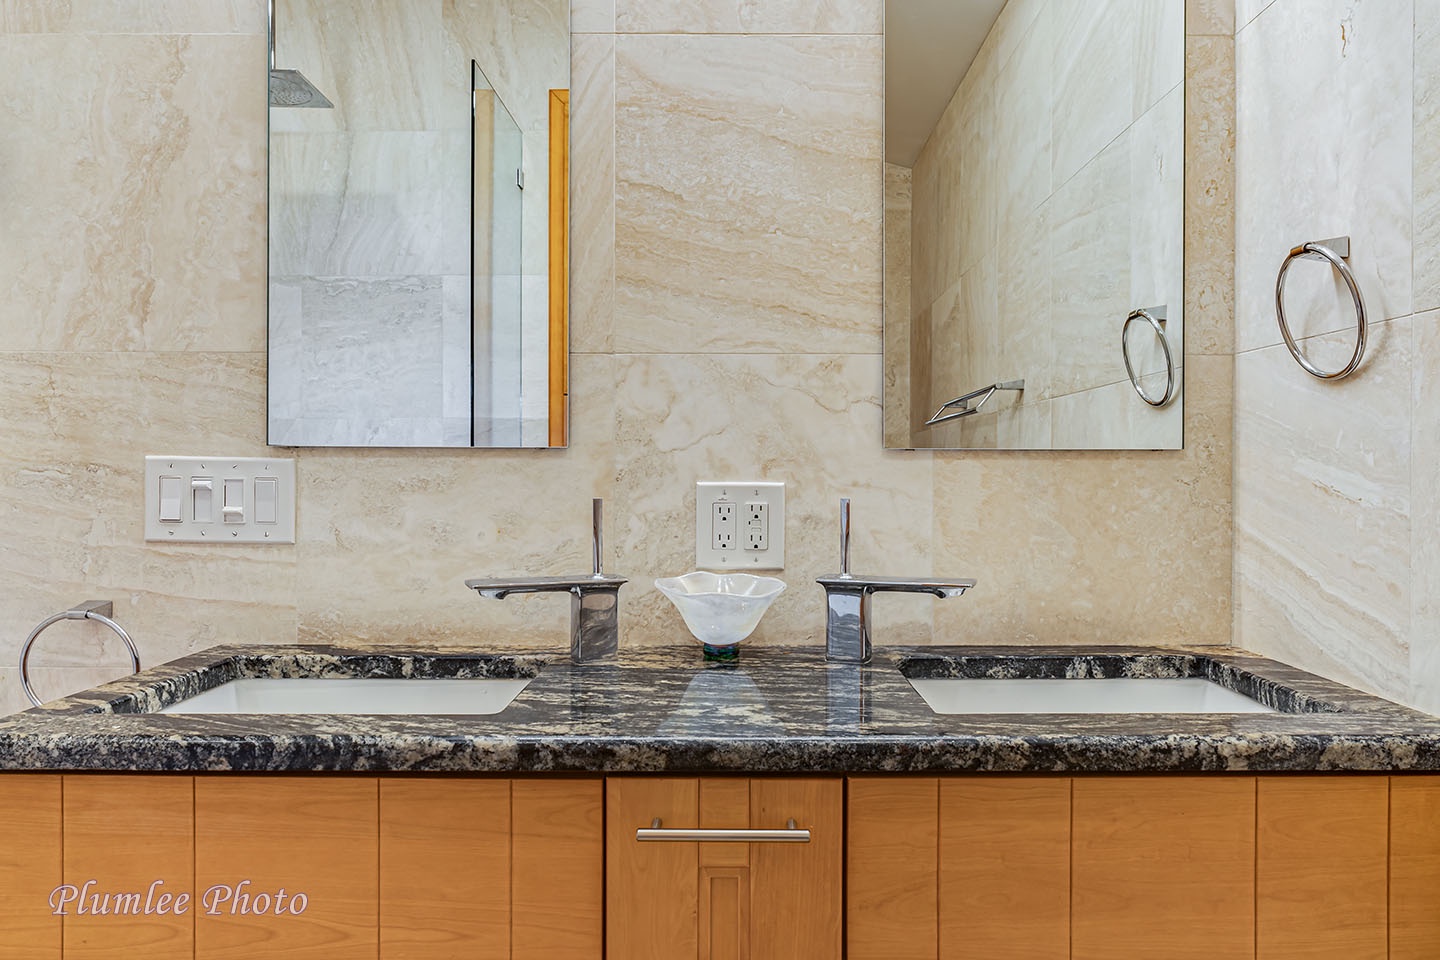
[
  {"x": 594, "y": 599},
  {"x": 847, "y": 600}
]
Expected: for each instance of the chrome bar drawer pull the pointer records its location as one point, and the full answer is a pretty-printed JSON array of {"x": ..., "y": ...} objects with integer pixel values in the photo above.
[{"x": 656, "y": 833}]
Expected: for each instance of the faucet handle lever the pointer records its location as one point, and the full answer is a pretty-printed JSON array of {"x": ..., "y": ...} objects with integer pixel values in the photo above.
[
  {"x": 844, "y": 536},
  {"x": 597, "y": 529}
]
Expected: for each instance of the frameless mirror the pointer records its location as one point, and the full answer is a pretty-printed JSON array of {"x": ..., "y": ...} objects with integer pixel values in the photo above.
[
  {"x": 419, "y": 177},
  {"x": 1034, "y": 224}
]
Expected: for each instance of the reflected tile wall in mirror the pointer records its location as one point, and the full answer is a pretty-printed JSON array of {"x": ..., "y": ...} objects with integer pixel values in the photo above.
[
  {"x": 410, "y": 254},
  {"x": 1034, "y": 198}
]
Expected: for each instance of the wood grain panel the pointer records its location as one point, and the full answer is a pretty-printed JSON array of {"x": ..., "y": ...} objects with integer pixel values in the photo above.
[
  {"x": 30, "y": 866},
  {"x": 444, "y": 869},
  {"x": 796, "y": 889},
  {"x": 134, "y": 836},
  {"x": 652, "y": 889},
  {"x": 1414, "y": 868},
  {"x": 559, "y": 240},
  {"x": 892, "y": 868},
  {"x": 724, "y": 912},
  {"x": 312, "y": 835},
  {"x": 1004, "y": 868},
  {"x": 1321, "y": 868},
  {"x": 558, "y": 869},
  {"x": 1163, "y": 867}
]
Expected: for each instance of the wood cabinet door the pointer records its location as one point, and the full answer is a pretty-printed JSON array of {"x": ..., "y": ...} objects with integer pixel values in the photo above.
[
  {"x": 134, "y": 836},
  {"x": 1163, "y": 867},
  {"x": 1320, "y": 871},
  {"x": 313, "y": 836},
  {"x": 1414, "y": 868},
  {"x": 444, "y": 869},
  {"x": 892, "y": 876},
  {"x": 724, "y": 901},
  {"x": 30, "y": 866}
]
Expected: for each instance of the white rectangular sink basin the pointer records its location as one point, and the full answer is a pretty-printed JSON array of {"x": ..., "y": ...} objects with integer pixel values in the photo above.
[
  {"x": 465, "y": 697},
  {"x": 1124, "y": 695}
]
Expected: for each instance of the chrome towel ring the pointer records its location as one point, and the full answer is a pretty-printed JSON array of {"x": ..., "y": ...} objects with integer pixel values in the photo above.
[
  {"x": 99, "y": 610},
  {"x": 1155, "y": 316},
  {"x": 1336, "y": 251}
]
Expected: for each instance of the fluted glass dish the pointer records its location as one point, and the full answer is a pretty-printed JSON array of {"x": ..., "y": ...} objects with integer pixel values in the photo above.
[{"x": 721, "y": 609}]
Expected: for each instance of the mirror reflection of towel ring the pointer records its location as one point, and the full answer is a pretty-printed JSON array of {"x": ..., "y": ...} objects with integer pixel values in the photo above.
[
  {"x": 1155, "y": 316},
  {"x": 1335, "y": 251}
]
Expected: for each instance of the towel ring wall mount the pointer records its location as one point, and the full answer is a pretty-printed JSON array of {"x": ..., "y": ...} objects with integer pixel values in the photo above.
[
  {"x": 1334, "y": 251},
  {"x": 100, "y": 611},
  {"x": 1155, "y": 317}
]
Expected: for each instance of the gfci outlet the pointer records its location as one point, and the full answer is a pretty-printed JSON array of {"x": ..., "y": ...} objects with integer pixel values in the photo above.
[{"x": 740, "y": 526}]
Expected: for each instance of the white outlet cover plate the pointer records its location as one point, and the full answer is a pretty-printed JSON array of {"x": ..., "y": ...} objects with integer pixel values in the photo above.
[
  {"x": 707, "y": 493},
  {"x": 218, "y": 470}
]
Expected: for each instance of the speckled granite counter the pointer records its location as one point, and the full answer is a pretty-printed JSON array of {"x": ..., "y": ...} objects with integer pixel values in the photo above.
[{"x": 780, "y": 710}]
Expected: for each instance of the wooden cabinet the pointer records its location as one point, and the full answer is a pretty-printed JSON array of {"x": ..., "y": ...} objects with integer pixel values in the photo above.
[
  {"x": 1321, "y": 869},
  {"x": 670, "y": 900},
  {"x": 959, "y": 868},
  {"x": 1211, "y": 867}
]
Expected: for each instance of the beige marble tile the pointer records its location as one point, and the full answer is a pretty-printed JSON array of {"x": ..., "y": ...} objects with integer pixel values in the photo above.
[
  {"x": 749, "y": 16},
  {"x": 1210, "y": 18},
  {"x": 1013, "y": 27},
  {"x": 387, "y": 538},
  {"x": 1156, "y": 144},
  {"x": 141, "y": 220},
  {"x": 592, "y": 16},
  {"x": 1427, "y": 155},
  {"x": 1021, "y": 136},
  {"x": 78, "y": 427},
  {"x": 1093, "y": 547},
  {"x": 896, "y": 395},
  {"x": 1023, "y": 306},
  {"x": 810, "y": 421},
  {"x": 1090, "y": 226},
  {"x": 1113, "y": 417},
  {"x": 133, "y": 16},
  {"x": 1209, "y": 196},
  {"x": 1424, "y": 688},
  {"x": 1094, "y": 82},
  {"x": 592, "y": 198},
  {"x": 1159, "y": 38},
  {"x": 748, "y": 201},
  {"x": 1247, "y": 10},
  {"x": 1309, "y": 168},
  {"x": 1322, "y": 509}
]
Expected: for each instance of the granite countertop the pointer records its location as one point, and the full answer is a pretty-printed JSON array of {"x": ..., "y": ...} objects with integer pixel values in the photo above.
[{"x": 779, "y": 710}]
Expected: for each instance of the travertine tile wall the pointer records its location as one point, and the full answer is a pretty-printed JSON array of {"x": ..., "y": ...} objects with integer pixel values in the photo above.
[
  {"x": 1336, "y": 568},
  {"x": 726, "y": 290}
]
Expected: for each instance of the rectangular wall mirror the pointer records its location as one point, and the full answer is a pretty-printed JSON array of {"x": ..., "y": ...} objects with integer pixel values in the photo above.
[
  {"x": 419, "y": 217},
  {"x": 1034, "y": 224}
]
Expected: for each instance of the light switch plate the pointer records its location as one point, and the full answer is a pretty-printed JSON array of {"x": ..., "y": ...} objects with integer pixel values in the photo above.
[
  {"x": 224, "y": 489},
  {"x": 739, "y": 525}
]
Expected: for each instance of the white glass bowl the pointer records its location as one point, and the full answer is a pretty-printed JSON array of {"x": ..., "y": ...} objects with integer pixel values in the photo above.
[{"x": 721, "y": 609}]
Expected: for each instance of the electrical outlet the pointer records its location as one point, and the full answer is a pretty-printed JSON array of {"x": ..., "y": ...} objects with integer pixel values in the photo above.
[
  {"x": 757, "y": 525},
  {"x": 722, "y": 525},
  {"x": 740, "y": 526}
]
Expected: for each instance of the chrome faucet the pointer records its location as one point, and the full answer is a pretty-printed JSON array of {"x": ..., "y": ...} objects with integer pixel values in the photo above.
[
  {"x": 847, "y": 600},
  {"x": 594, "y": 600}
]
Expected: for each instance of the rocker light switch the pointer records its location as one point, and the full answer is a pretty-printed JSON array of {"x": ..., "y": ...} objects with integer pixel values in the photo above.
[
  {"x": 267, "y": 499},
  {"x": 202, "y": 499},
  {"x": 168, "y": 509},
  {"x": 234, "y": 509}
]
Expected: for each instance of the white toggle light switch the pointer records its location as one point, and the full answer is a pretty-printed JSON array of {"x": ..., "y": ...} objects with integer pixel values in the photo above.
[
  {"x": 267, "y": 499},
  {"x": 234, "y": 509},
  {"x": 168, "y": 510},
  {"x": 202, "y": 499},
  {"x": 219, "y": 500}
]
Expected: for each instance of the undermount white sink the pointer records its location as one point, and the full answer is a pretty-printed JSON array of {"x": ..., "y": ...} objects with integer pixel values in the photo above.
[
  {"x": 462, "y": 697},
  {"x": 972, "y": 695}
]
